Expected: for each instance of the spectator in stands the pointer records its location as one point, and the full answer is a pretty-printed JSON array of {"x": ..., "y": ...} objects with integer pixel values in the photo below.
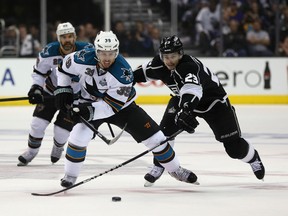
[
  {"x": 140, "y": 44},
  {"x": 207, "y": 26},
  {"x": 29, "y": 46},
  {"x": 81, "y": 34},
  {"x": 226, "y": 17},
  {"x": 284, "y": 22},
  {"x": 234, "y": 42},
  {"x": 188, "y": 21},
  {"x": 10, "y": 36},
  {"x": 235, "y": 13},
  {"x": 258, "y": 40},
  {"x": 91, "y": 31},
  {"x": 156, "y": 37},
  {"x": 283, "y": 50},
  {"x": 122, "y": 34},
  {"x": 250, "y": 14},
  {"x": 34, "y": 31},
  {"x": 51, "y": 32}
]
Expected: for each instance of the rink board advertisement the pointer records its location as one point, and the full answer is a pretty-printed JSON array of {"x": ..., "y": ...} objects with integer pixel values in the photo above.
[{"x": 246, "y": 80}]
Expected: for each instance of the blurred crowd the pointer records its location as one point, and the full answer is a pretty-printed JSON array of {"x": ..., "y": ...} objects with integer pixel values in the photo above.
[
  {"x": 236, "y": 27},
  {"x": 243, "y": 28}
]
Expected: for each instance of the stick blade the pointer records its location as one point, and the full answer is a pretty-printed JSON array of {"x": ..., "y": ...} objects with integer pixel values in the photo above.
[
  {"x": 117, "y": 137},
  {"x": 47, "y": 194},
  {"x": 56, "y": 192}
]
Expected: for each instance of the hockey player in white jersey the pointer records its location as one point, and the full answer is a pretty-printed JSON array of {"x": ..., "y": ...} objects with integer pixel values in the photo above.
[
  {"x": 107, "y": 95},
  {"x": 44, "y": 83}
]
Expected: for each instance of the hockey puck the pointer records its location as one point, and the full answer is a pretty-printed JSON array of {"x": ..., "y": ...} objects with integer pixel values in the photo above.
[{"x": 116, "y": 199}]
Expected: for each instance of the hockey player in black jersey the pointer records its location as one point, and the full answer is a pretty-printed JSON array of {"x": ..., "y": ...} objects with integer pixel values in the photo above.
[{"x": 197, "y": 93}]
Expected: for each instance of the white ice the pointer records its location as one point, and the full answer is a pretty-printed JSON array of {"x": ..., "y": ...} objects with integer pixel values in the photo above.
[{"x": 227, "y": 187}]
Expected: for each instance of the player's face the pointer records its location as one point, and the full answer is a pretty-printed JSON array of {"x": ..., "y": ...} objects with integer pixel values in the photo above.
[
  {"x": 67, "y": 42},
  {"x": 106, "y": 58},
  {"x": 171, "y": 60}
]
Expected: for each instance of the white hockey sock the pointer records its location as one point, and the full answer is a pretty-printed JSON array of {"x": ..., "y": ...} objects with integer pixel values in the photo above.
[
  {"x": 72, "y": 168},
  {"x": 249, "y": 155}
]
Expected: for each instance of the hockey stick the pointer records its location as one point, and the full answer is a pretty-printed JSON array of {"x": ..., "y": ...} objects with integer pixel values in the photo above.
[
  {"x": 111, "y": 130},
  {"x": 20, "y": 98},
  {"x": 107, "y": 141},
  {"x": 13, "y": 99},
  {"x": 110, "y": 170}
]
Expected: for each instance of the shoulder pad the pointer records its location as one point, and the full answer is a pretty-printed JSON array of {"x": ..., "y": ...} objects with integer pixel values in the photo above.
[
  {"x": 51, "y": 49},
  {"x": 189, "y": 64},
  {"x": 156, "y": 61},
  {"x": 85, "y": 56},
  {"x": 83, "y": 45},
  {"x": 121, "y": 70}
]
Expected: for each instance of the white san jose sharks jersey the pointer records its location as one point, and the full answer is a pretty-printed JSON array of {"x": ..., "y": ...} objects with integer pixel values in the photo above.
[
  {"x": 109, "y": 90},
  {"x": 44, "y": 73}
]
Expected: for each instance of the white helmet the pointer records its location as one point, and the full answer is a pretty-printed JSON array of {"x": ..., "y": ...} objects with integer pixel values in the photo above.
[
  {"x": 106, "y": 41},
  {"x": 65, "y": 28}
]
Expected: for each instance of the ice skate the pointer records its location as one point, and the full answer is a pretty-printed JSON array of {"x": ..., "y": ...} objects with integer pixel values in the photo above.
[
  {"x": 154, "y": 174},
  {"x": 68, "y": 181},
  {"x": 257, "y": 166},
  {"x": 56, "y": 153},
  {"x": 27, "y": 156},
  {"x": 182, "y": 174}
]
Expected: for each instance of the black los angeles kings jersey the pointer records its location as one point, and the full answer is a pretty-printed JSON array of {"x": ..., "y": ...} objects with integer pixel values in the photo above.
[{"x": 189, "y": 77}]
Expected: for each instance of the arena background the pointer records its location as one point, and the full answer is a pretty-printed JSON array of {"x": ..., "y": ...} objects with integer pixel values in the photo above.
[{"x": 242, "y": 77}]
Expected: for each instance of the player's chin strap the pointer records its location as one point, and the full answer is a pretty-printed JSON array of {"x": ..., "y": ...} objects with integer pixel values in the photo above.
[
  {"x": 110, "y": 170},
  {"x": 107, "y": 141}
]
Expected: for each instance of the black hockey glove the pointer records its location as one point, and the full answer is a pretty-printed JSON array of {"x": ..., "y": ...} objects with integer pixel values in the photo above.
[
  {"x": 186, "y": 121},
  {"x": 35, "y": 94},
  {"x": 63, "y": 97},
  {"x": 86, "y": 110}
]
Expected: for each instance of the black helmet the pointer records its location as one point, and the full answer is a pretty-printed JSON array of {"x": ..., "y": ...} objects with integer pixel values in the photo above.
[{"x": 171, "y": 44}]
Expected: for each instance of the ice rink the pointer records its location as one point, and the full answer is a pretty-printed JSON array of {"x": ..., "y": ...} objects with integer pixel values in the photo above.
[{"x": 227, "y": 187}]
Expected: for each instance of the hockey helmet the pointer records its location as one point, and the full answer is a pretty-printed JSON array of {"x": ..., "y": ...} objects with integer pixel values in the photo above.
[
  {"x": 65, "y": 28},
  {"x": 171, "y": 44},
  {"x": 106, "y": 41}
]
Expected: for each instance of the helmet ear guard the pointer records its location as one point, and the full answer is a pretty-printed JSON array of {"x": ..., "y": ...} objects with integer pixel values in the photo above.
[
  {"x": 65, "y": 28},
  {"x": 106, "y": 41},
  {"x": 170, "y": 44}
]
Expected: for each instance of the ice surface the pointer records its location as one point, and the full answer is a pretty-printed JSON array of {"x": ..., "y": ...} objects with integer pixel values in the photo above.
[{"x": 227, "y": 187}]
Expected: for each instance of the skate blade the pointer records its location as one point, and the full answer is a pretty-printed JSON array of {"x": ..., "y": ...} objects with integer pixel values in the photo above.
[
  {"x": 148, "y": 184},
  {"x": 21, "y": 164}
]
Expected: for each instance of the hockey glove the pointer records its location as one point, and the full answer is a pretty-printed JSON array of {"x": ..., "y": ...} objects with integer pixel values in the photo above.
[
  {"x": 63, "y": 97},
  {"x": 35, "y": 94},
  {"x": 86, "y": 110},
  {"x": 186, "y": 121}
]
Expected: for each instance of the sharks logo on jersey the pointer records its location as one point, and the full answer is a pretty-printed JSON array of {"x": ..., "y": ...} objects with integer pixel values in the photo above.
[
  {"x": 46, "y": 50},
  {"x": 127, "y": 74},
  {"x": 80, "y": 55}
]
